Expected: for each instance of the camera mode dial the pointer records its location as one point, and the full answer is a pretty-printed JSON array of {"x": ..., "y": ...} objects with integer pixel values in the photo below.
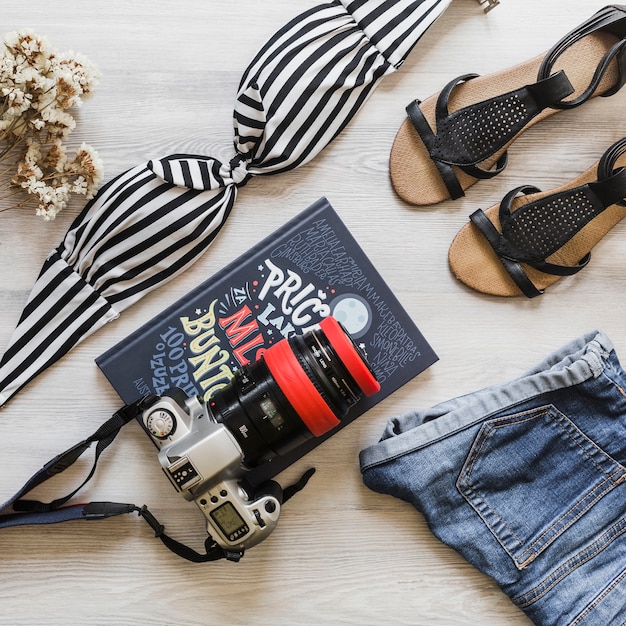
[{"x": 160, "y": 423}]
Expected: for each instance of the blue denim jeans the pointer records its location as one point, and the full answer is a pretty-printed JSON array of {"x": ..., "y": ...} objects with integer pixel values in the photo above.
[{"x": 527, "y": 481}]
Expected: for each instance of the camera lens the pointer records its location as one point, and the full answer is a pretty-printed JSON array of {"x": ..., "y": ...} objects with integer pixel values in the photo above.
[{"x": 301, "y": 387}]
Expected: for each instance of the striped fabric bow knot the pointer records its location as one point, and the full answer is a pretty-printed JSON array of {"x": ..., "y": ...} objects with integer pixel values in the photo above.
[
  {"x": 200, "y": 172},
  {"x": 152, "y": 222}
]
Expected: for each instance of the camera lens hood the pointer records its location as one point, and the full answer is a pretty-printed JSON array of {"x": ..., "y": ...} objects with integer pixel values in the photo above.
[{"x": 291, "y": 375}]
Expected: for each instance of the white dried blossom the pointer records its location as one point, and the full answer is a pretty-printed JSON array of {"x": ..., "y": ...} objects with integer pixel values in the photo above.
[
  {"x": 52, "y": 200},
  {"x": 38, "y": 87},
  {"x": 50, "y": 178},
  {"x": 81, "y": 72}
]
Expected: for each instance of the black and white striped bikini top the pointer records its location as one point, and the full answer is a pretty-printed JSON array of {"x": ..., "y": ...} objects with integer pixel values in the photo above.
[{"x": 152, "y": 222}]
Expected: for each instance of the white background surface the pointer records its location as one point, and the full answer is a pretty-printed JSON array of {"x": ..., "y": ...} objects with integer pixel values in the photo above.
[{"x": 341, "y": 554}]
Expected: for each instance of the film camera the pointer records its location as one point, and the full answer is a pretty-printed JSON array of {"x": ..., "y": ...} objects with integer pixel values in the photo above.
[{"x": 300, "y": 388}]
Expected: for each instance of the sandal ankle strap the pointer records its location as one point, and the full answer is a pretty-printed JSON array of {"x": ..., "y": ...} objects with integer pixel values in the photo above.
[
  {"x": 606, "y": 165},
  {"x": 611, "y": 19}
]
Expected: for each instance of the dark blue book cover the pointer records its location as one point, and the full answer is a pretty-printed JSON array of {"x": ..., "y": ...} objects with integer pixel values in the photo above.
[{"x": 308, "y": 269}]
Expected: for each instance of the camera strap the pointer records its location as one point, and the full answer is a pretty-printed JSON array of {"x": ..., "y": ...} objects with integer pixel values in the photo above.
[{"x": 21, "y": 511}]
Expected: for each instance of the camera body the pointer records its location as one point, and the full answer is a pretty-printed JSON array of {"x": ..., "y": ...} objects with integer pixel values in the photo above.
[
  {"x": 204, "y": 462},
  {"x": 300, "y": 388}
]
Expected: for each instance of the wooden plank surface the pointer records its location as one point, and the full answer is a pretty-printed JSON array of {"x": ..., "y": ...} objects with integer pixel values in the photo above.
[{"x": 342, "y": 554}]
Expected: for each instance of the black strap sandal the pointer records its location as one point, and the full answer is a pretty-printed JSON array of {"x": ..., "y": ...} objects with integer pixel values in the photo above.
[
  {"x": 536, "y": 237},
  {"x": 470, "y": 143}
]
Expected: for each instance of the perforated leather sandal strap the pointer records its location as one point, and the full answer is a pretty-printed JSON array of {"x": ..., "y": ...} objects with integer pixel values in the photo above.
[
  {"x": 469, "y": 136},
  {"x": 472, "y": 134},
  {"x": 536, "y": 230},
  {"x": 611, "y": 19},
  {"x": 512, "y": 267}
]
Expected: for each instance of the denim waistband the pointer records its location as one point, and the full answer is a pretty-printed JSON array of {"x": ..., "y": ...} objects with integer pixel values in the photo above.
[{"x": 577, "y": 361}]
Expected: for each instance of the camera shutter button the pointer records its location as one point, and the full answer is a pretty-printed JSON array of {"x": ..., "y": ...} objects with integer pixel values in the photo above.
[{"x": 270, "y": 506}]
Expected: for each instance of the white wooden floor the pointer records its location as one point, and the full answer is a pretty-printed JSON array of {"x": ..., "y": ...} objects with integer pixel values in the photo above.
[{"x": 341, "y": 554}]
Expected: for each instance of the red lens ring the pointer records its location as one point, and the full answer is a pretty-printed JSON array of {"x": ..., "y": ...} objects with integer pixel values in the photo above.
[
  {"x": 298, "y": 389},
  {"x": 351, "y": 359}
]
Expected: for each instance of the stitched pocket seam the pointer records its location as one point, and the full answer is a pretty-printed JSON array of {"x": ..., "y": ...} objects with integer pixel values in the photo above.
[
  {"x": 520, "y": 551},
  {"x": 577, "y": 560}
]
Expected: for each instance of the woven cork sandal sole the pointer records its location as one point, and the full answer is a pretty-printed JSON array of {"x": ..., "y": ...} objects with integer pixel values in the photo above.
[
  {"x": 414, "y": 175},
  {"x": 474, "y": 262}
]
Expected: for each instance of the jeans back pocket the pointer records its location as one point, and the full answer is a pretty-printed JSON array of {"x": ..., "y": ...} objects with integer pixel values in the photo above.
[{"x": 531, "y": 475}]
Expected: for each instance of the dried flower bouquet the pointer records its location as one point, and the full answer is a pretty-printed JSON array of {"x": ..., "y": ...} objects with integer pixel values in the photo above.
[{"x": 38, "y": 86}]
